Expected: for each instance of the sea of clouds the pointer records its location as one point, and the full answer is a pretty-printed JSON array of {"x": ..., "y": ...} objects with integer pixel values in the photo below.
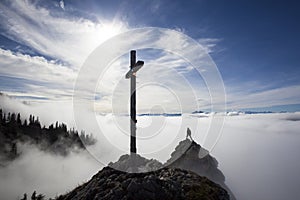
[{"x": 258, "y": 153}]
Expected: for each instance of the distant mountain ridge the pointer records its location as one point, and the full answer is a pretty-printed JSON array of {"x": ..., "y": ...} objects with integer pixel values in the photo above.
[
  {"x": 161, "y": 114},
  {"x": 201, "y": 113}
]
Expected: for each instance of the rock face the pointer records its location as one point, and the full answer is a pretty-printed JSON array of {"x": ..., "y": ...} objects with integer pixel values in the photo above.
[
  {"x": 166, "y": 183},
  {"x": 191, "y": 156}
]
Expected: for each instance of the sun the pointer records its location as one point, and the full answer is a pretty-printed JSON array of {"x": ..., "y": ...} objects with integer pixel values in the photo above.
[{"x": 108, "y": 30}]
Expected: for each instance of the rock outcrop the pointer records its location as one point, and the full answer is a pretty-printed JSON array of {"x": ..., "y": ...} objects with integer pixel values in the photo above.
[
  {"x": 166, "y": 183},
  {"x": 190, "y": 173},
  {"x": 135, "y": 163},
  {"x": 191, "y": 156}
]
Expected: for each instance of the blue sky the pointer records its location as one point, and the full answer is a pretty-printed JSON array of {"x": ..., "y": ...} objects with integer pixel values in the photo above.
[{"x": 254, "y": 44}]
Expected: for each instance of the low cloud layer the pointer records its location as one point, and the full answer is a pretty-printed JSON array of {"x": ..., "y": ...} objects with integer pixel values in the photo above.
[
  {"x": 256, "y": 152},
  {"x": 258, "y": 155},
  {"x": 46, "y": 173}
]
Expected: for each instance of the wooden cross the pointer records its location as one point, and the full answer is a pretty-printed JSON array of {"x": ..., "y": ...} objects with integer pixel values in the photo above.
[{"x": 134, "y": 67}]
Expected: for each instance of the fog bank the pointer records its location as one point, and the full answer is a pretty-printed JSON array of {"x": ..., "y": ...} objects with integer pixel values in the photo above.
[{"x": 46, "y": 173}]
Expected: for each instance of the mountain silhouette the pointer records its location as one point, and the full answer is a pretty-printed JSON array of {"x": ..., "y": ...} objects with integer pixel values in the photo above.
[
  {"x": 191, "y": 156},
  {"x": 190, "y": 173},
  {"x": 166, "y": 183}
]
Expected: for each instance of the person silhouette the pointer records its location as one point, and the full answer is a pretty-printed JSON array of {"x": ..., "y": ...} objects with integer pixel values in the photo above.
[
  {"x": 33, "y": 196},
  {"x": 189, "y": 134}
]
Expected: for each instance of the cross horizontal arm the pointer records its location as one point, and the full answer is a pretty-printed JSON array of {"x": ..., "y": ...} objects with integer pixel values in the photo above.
[{"x": 138, "y": 65}]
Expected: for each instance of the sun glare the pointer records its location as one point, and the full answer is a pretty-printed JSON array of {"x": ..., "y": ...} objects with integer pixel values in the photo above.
[
  {"x": 94, "y": 34},
  {"x": 108, "y": 30}
]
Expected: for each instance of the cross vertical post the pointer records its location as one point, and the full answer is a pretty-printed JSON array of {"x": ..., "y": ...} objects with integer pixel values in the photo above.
[
  {"x": 134, "y": 67},
  {"x": 133, "y": 120}
]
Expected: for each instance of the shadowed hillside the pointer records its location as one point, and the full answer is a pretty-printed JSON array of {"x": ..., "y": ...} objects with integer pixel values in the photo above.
[{"x": 167, "y": 184}]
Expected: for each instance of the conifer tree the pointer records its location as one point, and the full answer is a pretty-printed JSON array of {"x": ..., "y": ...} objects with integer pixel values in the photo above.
[
  {"x": 13, "y": 117},
  {"x": 19, "y": 119},
  {"x": 30, "y": 119},
  {"x": 25, "y": 122}
]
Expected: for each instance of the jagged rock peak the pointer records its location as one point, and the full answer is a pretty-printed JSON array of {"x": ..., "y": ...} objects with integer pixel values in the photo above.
[{"x": 191, "y": 156}]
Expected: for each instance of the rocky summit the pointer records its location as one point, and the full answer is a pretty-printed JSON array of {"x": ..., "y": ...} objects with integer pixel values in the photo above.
[
  {"x": 166, "y": 183},
  {"x": 191, "y": 156},
  {"x": 187, "y": 155},
  {"x": 135, "y": 163},
  {"x": 190, "y": 173}
]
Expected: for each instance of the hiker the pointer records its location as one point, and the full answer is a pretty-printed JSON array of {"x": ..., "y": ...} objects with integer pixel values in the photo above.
[{"x": 189, "y": 134}]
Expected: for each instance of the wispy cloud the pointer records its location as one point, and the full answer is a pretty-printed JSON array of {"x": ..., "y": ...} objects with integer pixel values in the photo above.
[
  {"x": 60, "y": 36},
  {"x": 167, "y": 72},
  {"x": 63, "y": 38},
  {"x": 209, "y": 44},
  {"x": 243, "y": 96},
  {"x": 61, "y": 42},
  {"x": 62, "y": 4},
  {"x": 35, "y": 75}
]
